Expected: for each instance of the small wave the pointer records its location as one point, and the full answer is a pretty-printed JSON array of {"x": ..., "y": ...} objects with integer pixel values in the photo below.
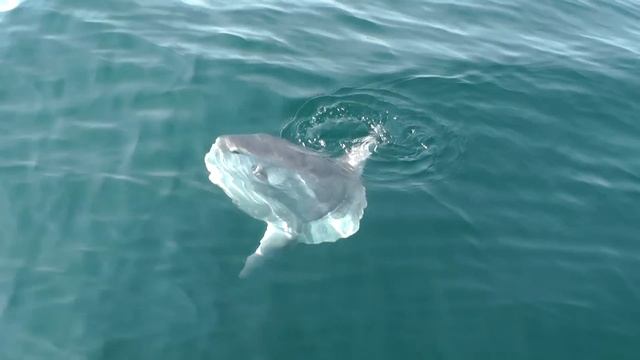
[
  {"x": 416, "y": 147},
  {"x": 8, "y": 5},
  {"x": 201, "y": 3}
]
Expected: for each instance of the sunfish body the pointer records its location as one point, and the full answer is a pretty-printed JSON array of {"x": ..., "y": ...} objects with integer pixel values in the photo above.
[{"x": 301, "y": 195}]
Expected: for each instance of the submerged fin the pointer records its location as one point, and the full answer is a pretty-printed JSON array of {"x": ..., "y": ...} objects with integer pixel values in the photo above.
[
  {"x": 272, "y": 239},
  {"x": 252, "y": 262}
]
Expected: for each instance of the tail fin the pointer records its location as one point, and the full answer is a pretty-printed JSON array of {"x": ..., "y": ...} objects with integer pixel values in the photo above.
[{"x": 358, "y": 155}]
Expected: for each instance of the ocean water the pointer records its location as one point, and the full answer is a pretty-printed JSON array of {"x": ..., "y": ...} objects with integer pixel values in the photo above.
[{"x": 503, "y": 217}]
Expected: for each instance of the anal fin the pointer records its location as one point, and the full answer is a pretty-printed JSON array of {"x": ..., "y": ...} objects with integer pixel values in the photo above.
[{"x": 272, "y": 239}]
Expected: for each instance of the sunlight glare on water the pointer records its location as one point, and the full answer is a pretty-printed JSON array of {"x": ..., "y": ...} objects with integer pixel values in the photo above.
[{"x": 8, "y": 5}]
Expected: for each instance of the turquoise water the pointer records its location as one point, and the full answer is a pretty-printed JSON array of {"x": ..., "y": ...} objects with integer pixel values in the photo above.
[{"x": 503, "y": 214}]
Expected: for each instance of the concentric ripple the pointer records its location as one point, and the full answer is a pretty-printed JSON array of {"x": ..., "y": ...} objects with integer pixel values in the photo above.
[{"x": 415, "y": 148}]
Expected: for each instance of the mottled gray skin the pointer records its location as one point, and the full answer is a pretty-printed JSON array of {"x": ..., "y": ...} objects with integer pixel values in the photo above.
[
  {"x": 323, "y": 184},
  {"x": 300, "y": 194}
]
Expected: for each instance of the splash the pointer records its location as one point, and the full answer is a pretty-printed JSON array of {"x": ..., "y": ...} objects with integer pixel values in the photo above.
[{"x": 408, "y": 145}]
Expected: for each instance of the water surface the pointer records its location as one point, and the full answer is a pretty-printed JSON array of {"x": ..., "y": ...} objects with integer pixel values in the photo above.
[{"x": 503, "y": 214}]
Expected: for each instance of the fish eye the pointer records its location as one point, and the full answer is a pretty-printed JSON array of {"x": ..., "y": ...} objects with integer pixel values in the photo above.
[
  {"x": 259, "y": 172},
  {"x": 235, "y": 151}
]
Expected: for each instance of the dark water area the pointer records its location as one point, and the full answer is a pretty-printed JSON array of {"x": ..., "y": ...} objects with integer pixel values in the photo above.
[{"x": 503, "y": 212}]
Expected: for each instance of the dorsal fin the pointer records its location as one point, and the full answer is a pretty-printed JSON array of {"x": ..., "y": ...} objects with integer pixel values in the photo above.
[{"x": 358, "y": 155}]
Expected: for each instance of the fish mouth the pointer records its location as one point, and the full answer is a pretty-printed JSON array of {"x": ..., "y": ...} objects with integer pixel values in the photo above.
[
  {"x": 213, "y": 160},
  {"x": 210, "y": 161}
]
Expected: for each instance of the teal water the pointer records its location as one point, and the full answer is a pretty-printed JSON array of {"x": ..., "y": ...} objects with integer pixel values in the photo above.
[{"x": 503, "y": 215}]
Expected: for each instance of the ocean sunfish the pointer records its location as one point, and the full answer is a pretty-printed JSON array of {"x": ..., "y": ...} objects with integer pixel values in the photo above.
[{"x": 301, "y": 195}]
